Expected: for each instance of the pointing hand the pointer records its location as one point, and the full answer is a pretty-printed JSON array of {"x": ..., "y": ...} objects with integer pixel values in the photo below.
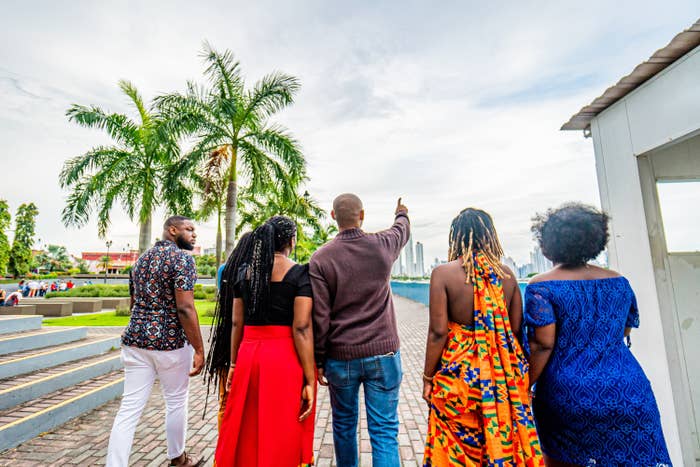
[{"x": 400, "y": 207}]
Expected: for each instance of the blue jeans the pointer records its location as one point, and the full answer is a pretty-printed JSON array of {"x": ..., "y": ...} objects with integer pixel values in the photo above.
[{"x": 381, "y": 377}]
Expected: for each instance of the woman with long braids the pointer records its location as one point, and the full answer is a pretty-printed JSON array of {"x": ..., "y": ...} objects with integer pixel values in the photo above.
[
  {"x": 219, "y": 357},
  {"x": 271, "y": 382},
  {"x": 475, "y": 376}
]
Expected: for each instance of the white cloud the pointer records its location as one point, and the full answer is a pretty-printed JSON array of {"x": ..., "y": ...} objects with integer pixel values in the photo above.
[{"x": 448, "y": 107}]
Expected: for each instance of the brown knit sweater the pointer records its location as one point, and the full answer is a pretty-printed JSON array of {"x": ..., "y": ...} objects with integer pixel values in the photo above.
[{"x": 353, "y": 309}]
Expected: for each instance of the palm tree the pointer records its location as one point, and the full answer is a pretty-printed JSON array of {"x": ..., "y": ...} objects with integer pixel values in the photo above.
[
  {"x": 256, "y": 209},
  {"x": 55, "y": 258},
  {"x": 309, "y": 217},
  {"x": 130, "y": 171},
  {"x": 210, "y": 184},
  {"x": 229, "y": 118}
]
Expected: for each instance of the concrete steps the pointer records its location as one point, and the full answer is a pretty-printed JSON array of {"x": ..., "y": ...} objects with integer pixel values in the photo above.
[
  {"x": 10, "y": 324},
  {"x": 38, "y": 339},
  {"x": 52, "y": 376}
]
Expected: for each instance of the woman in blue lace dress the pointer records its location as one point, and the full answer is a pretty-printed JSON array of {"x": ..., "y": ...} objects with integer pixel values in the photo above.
[{"x": 593, "y": 404}]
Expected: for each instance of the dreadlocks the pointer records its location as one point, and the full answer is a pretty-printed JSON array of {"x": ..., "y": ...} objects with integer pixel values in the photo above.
[
  {"x": 220, "y": 336},
  {"x": 473, "y": 231}
]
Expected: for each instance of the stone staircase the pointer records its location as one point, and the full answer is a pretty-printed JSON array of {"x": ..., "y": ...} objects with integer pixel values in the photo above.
[{"x": 51, "y": 375}]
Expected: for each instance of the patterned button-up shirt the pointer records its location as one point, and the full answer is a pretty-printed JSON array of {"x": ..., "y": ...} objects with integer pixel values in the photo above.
[{"x": 154, "y": 324}]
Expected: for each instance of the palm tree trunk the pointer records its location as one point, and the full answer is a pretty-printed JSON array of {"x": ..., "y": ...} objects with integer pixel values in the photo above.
[
  {"x": 231, "y": 201},
  {"x": 145, "y": 235},
  {"x": 218, "y": 236}
]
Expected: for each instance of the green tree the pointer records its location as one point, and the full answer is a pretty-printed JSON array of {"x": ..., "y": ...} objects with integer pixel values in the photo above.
[
  {"x": 307, "y": 245},
  {"x": 257, "y": 208},
  {"x": 229, "y": 116},
  {"x": 54, "y": 258},
  {"x": 5, "y": 220},
  {"x": 211, "y": 187},
  {"x": 21, "y": 252},
  {"x": 106, "y": 260},
  {"x": 129, "y": 172},
  {"x": 82, "y": 266}
]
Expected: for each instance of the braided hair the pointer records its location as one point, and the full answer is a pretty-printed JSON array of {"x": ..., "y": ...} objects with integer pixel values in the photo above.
[
  {"x": 220, "y": 336},
  {"x": 271, "y": 237},
  {"x": 473, "y": 231}
]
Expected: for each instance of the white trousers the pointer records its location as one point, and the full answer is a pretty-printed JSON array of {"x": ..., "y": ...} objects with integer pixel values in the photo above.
[{"x": 140, "y": 370}]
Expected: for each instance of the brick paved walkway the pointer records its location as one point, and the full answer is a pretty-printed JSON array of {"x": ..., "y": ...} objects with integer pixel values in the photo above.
[{"x": 83, "y": 441}]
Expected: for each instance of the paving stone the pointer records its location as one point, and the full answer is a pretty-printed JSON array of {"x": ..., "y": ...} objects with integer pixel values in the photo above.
[{"x": 66, "y": 445}]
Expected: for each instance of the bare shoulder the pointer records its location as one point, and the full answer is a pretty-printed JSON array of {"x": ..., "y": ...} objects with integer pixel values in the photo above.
[
  {"x": 603, "y": 273},
  {"x": 545, "y": 276},
  {"x": 509, "y": 276},
  {"x": 445, "y": 270}
]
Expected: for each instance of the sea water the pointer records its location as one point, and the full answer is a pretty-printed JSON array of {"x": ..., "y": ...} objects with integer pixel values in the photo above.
[{"x": 419, "y": 291}]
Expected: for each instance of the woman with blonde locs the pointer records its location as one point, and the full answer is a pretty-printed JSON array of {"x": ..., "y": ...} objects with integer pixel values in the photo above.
[
  {"x": 271, "y": 383},
  {"x": 475, "y": 376}
]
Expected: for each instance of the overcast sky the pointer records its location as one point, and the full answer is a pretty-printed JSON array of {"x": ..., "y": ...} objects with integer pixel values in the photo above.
[{"x": 448, "y": 104}]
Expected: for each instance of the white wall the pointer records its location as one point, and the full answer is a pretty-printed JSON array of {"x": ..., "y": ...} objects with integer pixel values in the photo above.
[{"x": 657, "y": 113}]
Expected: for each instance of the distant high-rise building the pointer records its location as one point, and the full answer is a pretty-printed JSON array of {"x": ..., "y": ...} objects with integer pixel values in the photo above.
[
  {"x": 397, "y": 268},
  {"x": 408, "y": 251},
  {"x": 510, "y": 262},
  {"x": 539, "y": 262},
  {"x": 420, "y": 264}
]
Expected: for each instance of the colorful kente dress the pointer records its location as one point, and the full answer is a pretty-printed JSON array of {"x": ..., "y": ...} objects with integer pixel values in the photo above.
[{"x": 480, "y": 412}]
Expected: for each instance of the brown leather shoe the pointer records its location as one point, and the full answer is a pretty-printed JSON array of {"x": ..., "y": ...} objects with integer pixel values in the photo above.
[{"x": 185, "y": 460}]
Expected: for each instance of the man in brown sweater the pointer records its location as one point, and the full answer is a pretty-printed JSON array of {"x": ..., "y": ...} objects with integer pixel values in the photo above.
[{"x": 356, "y": 338}]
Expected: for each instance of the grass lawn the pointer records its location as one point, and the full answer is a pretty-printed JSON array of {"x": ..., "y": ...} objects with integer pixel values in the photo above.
[{"x": 204, "y": 307}]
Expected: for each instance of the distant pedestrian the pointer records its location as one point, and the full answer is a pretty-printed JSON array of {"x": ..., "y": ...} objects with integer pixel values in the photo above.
[
  {"x": 54, "y": 287},
  {"x": 475, "y": 378},
  {"x": 159, "y": 341},
  {"x": 357, "y": 341},
  {"x": 3, "y": 296},
  {"x": 14, "y": 298},
  {"x": 591, "y": 399},
  {"x": 33, "y": 288}
]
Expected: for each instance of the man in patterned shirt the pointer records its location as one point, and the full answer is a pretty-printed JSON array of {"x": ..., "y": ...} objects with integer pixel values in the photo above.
[{"x": 159, "y": 341}]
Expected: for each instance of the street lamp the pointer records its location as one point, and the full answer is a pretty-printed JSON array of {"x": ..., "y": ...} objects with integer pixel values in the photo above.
[{"x": 109, "y": 244}]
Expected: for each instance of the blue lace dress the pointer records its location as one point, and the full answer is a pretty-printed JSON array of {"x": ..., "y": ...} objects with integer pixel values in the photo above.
[{"x": 593, "y": 404}]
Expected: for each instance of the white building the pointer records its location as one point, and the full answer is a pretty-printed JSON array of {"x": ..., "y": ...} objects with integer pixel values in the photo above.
[
  {"x": 420, "y": 264},
  {"x": 539, "y": 263},
  {"x": 646, "y": 134},
  {"x": 397, "y": 268},
  {"x": 408, "y": 254},
  {"x": 510, "y": 262}
]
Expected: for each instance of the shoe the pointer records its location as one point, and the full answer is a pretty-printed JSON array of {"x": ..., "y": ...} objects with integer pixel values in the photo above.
[{"x": 185, "y": 460}]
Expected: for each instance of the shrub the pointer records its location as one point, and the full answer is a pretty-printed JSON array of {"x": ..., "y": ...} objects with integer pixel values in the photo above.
[
  {"x": 95, "y": 290},
  {"x": 123, "y": 311},
  {"x": 51, "y": 275}
]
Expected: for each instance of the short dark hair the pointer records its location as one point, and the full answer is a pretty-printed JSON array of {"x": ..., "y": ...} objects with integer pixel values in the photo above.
[
  {"x": 174, "y": 221},
  {"x": 572, "y": 234}
]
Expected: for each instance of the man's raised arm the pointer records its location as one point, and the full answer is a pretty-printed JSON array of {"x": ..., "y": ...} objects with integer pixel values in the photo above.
[{"x": 397, "y": 235}]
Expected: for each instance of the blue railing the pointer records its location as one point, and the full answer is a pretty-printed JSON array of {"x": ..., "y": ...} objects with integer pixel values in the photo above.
[{"x": 420, "y": 291}]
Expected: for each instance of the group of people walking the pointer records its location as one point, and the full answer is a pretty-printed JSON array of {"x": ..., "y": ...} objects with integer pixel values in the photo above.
[{"x": 544, "y": 380}]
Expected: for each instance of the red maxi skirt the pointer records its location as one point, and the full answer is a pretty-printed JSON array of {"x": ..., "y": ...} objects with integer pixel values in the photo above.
[{"x": 260, "y": 425}]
